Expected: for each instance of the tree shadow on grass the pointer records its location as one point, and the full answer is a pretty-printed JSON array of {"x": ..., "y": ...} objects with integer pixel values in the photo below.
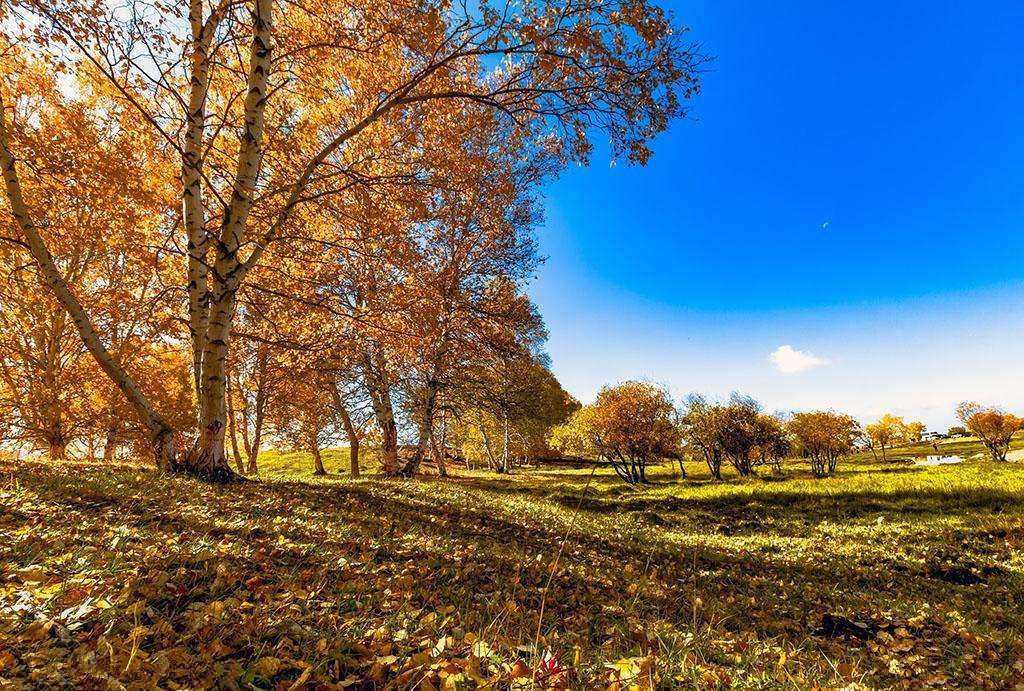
[{"x": 399, "y": 524}]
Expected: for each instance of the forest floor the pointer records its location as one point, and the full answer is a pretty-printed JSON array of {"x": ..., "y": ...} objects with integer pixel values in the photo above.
[{"x": 888, "y": 575}]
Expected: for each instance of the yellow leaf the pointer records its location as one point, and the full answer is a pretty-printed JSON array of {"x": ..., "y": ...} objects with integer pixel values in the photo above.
[
  {"x": 267, "y": 667},
  {"x": 32, "y": 574},
  {"x": 36, "y": 631}
]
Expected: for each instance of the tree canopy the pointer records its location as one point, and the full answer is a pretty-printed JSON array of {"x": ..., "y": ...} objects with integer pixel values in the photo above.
[{"x": 628, "y": 426}]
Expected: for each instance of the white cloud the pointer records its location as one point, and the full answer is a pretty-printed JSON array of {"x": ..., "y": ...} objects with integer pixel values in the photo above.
[{"x": 789, "y": 360}]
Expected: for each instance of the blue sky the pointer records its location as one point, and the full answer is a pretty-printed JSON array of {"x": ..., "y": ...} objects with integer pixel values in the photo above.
[{"x": 850, "y": 184}]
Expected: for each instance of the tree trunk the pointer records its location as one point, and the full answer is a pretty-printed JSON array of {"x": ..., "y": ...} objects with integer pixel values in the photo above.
[
  {"x": 208, "y": 459},
  {"x": 253, "y": 448},
  {"x": 232, "y": 431},
  {"x": 318, "y": 462},
  {"x": 682, "y": 466},
  {"x": 492, "y": 462},
  {"x": 389, "y": 439},
  {"x": 58, "y": 449},
  {"x": 110, "y": 443},
  {"x": 503, "y": 468},
  {"x": 439, "y": 459},
  {"x": 251, "y": 465},
  {"x": 244, "y": 412},
  {"x": 442, "y": 469},
  {"x": 350, "y": 431},
  {"x": 193, "y": 208},
  {"x": 715, "y": 463},
  {"x": 378, "y": 386},
  {"x": 257, "y": 437},
  {"x": 426, "y": 424},
  {"x": 353, "y": 456}
]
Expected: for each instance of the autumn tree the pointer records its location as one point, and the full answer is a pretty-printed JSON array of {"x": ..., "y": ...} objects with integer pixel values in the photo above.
[
  {"x": 993, "y": 426},
  {"x": 887, "y": 431},
  {"x": 628, "y": 426},
  {"x": 433, "y": 299},
  {"x": 350, "y": 409},
  {"x": 43, "y": 372},
  {"x": 507, "y": 408},
  {"x": 773, "y": 443},
  {"x": 914, "y": 431},
  {"x": 825, "y": 438},
  {"x": 304, "y": 419},
  {"x": 741, "y": 430},
  {"x": 736, "y": 431},
  {"x": 108, "y": 249},
  {"x": 254, "y": 378},
  {"x": 273, "y": 107},
  {"x": 701, "y": 424}
]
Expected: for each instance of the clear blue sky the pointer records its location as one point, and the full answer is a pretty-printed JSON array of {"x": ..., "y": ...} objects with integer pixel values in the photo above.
[{"x": 850, "y": 184}]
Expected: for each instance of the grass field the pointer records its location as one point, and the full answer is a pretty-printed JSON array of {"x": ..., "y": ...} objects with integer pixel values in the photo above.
[{"x": 885, "y": 576}]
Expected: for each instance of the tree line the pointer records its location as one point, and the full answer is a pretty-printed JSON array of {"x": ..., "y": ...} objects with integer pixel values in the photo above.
[{"x": 633, "y": 424}]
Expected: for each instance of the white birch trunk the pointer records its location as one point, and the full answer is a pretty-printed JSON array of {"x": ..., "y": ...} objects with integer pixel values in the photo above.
[
  {"x": 193, "y": 207},
  {"x": 210, "y": 457}
]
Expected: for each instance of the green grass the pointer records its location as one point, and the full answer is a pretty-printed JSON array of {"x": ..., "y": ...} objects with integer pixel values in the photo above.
[
  {"x": 298, "y": 465},
  {"x": 278, "y": 464},
  {"x": 968, "y": 447},
  {"x": 687, "y": 583}
]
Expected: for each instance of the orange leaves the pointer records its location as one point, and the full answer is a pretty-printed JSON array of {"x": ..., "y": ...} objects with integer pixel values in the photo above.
[
  {"x": 629, "y": 425},
  {"x": 826, "y": 436},
  {"x": 996, "y": 428},
  {"x": 369, "y": 172}
]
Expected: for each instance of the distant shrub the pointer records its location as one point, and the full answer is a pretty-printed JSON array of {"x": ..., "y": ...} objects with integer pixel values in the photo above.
[
  {"x": 914, "y": 431},
  {"x": 887, "y": 432},
  {"x": 825, "y": 437},
  {"x": 738, "y": 432},
  {"x": 994, "y": 427},
  {"x": 629, "y": 425}
]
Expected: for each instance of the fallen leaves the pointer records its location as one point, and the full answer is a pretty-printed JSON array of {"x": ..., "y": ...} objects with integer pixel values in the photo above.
[
  {"x": 632, "y": 674},
  {"x": 419, "y": 585}
]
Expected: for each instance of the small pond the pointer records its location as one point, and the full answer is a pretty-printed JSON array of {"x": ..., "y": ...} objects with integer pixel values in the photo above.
[{"x": 939, "y": 460}]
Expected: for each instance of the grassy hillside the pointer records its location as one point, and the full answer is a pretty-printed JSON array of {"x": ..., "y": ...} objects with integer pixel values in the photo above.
[
  {"x": 299, "y": 464},
  {"x": 886, "y": 576}
]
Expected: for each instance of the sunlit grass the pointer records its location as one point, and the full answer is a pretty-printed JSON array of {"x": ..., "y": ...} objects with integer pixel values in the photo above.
[{"x": 723, "y": 583}]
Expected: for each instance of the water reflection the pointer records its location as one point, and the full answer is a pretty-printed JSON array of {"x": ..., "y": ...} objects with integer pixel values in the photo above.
[{"x": 939, "y": 460}]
